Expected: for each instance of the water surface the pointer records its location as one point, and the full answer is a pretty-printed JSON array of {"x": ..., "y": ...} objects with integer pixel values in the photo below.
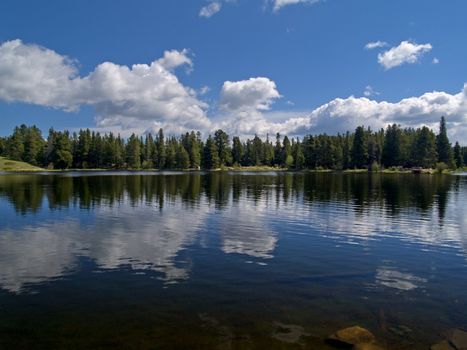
[{"x": 229, "y": 261}]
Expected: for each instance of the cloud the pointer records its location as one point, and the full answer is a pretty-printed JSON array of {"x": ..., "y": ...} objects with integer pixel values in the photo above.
[
  {"x": 435, "y": 60},
  {"x": 343, "y": 114},
  {"x": 143, "y": 94},
  {"x": 375, "y": 44},
  {"x": 204, "y": 90},
  {"x": 173, "y": 59},
  {"x": 406, "y": 52},
  {"x": 278, "y": 4},
  {"x": 33, "y": 74},
  {"x": 248, "y": 95},
  {"x": 148, "y": 96},
  {"x": 369, "y": 91},
  {"x": 210, "y": 9}
]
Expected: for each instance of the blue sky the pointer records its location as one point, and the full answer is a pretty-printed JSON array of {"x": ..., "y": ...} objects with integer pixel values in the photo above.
[{"x": 255, "y": 66}]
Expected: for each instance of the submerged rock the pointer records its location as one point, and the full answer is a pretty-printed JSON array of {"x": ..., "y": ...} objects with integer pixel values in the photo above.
[
  {"x": 367, "y": 346},
  {"x": 444, "y": 345},
  {"x": 352, "y": 336},
  {"x": 458, "y": 338},
  {"x": 289, "y": 333}
]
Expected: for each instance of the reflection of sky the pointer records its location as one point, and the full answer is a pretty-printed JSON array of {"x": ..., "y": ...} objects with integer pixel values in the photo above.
[
  {"x": 37, "y": 248},
  {"x": 391, "y": 278},
  {"x": 141, "y": 237},
  {"x": 244, "y": 229}
]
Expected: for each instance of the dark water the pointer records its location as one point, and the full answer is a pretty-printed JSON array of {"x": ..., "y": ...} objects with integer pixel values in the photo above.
[{"x": 229, "y": 261}]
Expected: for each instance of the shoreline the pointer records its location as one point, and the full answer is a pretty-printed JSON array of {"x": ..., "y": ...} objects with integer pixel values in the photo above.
[{"x": 257, "y": 169}]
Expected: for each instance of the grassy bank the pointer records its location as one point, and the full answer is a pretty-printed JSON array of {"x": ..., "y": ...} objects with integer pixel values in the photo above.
[
  {"x": 8, "y": 165},
  {"x": 13, "y": 165}
]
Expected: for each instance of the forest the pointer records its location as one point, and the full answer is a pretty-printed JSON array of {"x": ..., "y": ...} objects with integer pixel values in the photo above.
[{"x": 393, "y": 147}]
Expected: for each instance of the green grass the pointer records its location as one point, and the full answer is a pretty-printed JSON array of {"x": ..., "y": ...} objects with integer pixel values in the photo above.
[{"x": 13, "y": 165}]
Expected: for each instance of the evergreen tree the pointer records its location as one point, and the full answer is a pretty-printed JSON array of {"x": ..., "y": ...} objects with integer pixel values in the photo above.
[
  {"x": 83, "y": 148},
  {"x": 298, "y": 156},
  {"x": 221, "y": 139},
  {"x": 149, "y": 152},
  {"x": 171, "y": 154},
  {"x": 443, "y": 147},
  {"x": 458, "y": 156},
  {"x": 346, "y": 152},
  {"x": 359, "y": 149},
  {"x": 392, "y": 146},
  {"x": 15, "y": 144},
  {"x": 195, "y": 150},
  {"x": 278, "y": 151},
  {"x": 287, "y": 157},
  {"x": 237, "y": 151},
  {"x": 160, "y": 146},
  {"x": 60, "y": 149},
  {"x": 33, "y": 146},
  {"x": 133, "y": 152},
  {"x": 183, "y": 158},
  {"x": 257, "y": 151},
  {"x": 424, "y": 148},
  {"x": 211, "y": 157},
  {"x": 268, "y": 152},
  {"x": 2, "y": 146}
]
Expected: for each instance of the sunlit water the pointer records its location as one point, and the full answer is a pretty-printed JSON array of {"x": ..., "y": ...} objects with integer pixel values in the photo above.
[{"x": 229, "y": 261}]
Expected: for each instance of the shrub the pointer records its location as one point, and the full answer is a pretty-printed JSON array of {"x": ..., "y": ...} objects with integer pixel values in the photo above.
[{"x": 441, "y": 167}]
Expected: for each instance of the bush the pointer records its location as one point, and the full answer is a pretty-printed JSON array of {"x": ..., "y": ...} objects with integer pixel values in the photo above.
[
  {"x": 441, "y": 167},
  {"x": 289, "y": 161},
  {"x": 375, "y": 167}
]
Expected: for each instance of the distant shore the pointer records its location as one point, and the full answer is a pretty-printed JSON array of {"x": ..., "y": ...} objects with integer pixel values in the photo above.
[{"x": 12, "y": 168}]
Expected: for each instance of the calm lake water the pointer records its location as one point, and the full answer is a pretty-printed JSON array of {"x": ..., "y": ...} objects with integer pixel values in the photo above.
[{"x": 229, "y": 261}]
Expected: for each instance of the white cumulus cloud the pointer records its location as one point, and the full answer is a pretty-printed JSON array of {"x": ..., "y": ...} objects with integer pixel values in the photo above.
[
  {"x": 148, "y": 96},
  {"x": 210, "y": 10},
  {"x": 405, "y": 52},
  {"x": 143, "y": 94},
  {"x": 173, "y": 59},
  {"x": 252, "y": 94},
  {"x": 343, "y": 114}
]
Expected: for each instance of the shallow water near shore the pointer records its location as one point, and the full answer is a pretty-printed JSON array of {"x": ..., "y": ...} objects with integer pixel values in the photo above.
[{"x": 230, "y": 260}]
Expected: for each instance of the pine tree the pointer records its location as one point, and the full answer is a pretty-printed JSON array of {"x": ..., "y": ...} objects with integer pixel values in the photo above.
[
  {"x": 278, "y": 151},
  {"x": 359, "y": 149},
  {"x": 33, "y": 145},
  {"x": 237, "y": 151},
  {"x": 211, "y": 157},
  {"x": 458, "y": 156},
  {"x": 183, "y": 158},
  {"x": 298, "y": 156},
  {"x": 346, "y": 152},
  {"x": 195, "y": 150},
  {"x": 392, "y": 146},
  {"x": 60, "y": 148},
  {"x": 443, "y": 147},
  {"x": 133, "y": 152},
  {"x": 257, "y": 151},
  {"x": 171, "y": 154},
  {"x": 160, "y": 146},
  {"x": 221, "y": 139},
  {"x": 149, "y": 151},
  {"x": 424, "y": 148},
  {"x": 287, "y": 157}
]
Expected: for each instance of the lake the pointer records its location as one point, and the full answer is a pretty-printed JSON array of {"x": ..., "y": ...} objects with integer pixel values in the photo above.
[{"x": 229, "y": 260}]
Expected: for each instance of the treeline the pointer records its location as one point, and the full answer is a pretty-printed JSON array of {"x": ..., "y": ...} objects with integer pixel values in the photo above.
[{"x": 364, "y": 148}]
